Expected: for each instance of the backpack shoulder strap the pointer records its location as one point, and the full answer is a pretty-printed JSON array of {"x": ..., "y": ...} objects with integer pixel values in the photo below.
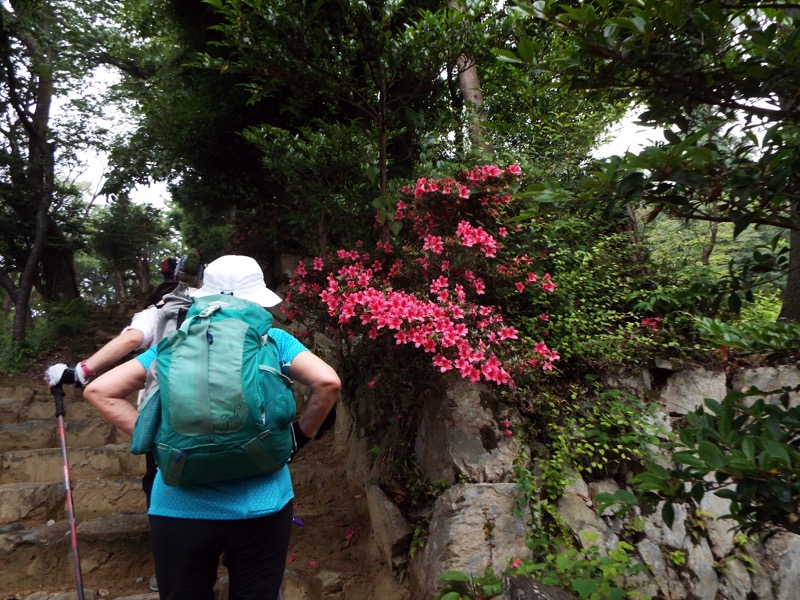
[{"x": 172, "y": 311}]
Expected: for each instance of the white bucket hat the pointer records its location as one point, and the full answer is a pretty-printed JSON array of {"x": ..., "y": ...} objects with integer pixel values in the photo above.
[{"x": 238, "y": 276}]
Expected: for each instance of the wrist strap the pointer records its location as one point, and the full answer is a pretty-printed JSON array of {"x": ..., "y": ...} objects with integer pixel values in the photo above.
[
  {"x": 301, "y": 439},
  {"x": 88, "y": 373}
]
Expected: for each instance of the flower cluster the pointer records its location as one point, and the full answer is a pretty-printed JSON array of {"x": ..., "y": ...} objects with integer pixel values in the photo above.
[
  {"x": 652, "y": 323},
  {"x": 428, "y": 286}
]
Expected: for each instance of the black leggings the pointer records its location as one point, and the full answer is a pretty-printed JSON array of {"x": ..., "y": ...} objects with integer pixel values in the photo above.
[{"x": 187, "y": 553}]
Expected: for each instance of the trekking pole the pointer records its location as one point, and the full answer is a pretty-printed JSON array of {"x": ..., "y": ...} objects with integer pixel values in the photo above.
[{"x": 58, "y": 394}]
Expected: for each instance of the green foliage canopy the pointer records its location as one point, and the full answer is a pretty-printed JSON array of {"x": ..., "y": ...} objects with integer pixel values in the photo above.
[{"x": 720, "y": 79}]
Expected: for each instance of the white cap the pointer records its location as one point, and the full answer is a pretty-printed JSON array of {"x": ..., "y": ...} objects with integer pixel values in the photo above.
[{"x": 238, "y": 276}]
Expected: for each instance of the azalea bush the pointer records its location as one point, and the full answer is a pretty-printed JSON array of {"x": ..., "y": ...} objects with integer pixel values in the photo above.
[{"x": 439, "y": 280}]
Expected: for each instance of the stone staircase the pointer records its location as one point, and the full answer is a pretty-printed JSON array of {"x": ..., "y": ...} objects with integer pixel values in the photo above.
[{"x": 109, "y": 505}]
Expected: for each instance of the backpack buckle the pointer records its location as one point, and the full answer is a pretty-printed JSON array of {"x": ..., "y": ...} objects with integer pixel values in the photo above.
[{"x": 209, "y": 311}]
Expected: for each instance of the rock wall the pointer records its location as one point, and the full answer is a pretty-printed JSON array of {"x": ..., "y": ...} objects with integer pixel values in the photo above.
[{"x": 474, "y": 523}]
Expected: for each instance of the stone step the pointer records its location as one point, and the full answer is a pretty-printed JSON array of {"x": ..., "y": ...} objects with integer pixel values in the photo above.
[
  {"x": 77, "y": 410},
  {"x": 111, "y": 548},
  {"x": 20, "y": 393},
  {"x": 23, "y": 404},
  {"x": 14, "y": 401},
  {"x": 43, "y": 433},
  {"x": 111, "y": 460},
  {"x": 37, "y": 503}
]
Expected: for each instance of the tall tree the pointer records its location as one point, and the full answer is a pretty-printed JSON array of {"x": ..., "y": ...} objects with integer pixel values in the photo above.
[
  {"x": 124, "y": 236},
  {"x": 35, "y": 252},
  {"x": 371, "y": 69}
]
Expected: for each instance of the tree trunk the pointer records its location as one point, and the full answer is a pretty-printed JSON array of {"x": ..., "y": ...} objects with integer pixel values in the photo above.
[
  {"x": 59, "y": 277},
  {"x": 119, "y": 287},
  {"x": 143, "y": 273},
  {"x": 383, "y": 156},
  {"x": 470, "y": 86},
  {"x": 790, "y": 309},
  {"x": 709, "y": 248}
]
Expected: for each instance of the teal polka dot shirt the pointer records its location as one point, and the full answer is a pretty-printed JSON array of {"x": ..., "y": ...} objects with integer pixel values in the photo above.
[{"x": 247, "y": 498}]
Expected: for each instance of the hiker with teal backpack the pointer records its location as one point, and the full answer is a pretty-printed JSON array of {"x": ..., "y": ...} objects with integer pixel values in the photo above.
[{"x": 219, "y": 416}]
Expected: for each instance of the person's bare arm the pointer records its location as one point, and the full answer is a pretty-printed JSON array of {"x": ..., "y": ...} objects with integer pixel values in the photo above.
[
  {"x": 108, "y": 393},
  {"x": 310, "y": 370},
  {"x": 122, "y": 345}
]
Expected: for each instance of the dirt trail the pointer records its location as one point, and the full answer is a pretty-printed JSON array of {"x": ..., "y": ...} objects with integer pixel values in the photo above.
[{"x": 332, "y": 547}]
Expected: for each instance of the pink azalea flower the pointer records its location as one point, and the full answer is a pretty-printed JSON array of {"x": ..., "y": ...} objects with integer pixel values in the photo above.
[
  {"x": 508, "y": 333},
  {"x": 433, "y": 243},
  {"x": 652, "y": 323},
  {"x": 492, "y": 171},
  {"x": 442, "y": 363}
]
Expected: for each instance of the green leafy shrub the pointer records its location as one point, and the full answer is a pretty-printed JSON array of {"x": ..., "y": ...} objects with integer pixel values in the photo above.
[
  {"x": 776, "y": 340},
  {"x": 455, "y": 585},
  {"x": 587, "y": 572},
  {"x": 605, "y": 312},
  {"x": 765, "y": 308},
  {"x": 66, "y": 320},
  {"x": 743, "y": 449},
  {"x": 14, "y": 357},
  {"x": 56, "y": 323},
  {"x": 600, "y": 436}
]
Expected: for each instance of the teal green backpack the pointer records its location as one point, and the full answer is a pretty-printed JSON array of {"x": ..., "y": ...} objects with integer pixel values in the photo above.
[{"x": 226, "y": 408}]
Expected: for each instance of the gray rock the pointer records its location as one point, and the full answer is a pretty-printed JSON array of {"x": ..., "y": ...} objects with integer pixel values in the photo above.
[
  {"x": 721, "y": 532},
  {"x": 459, "y": 437},
  {"x": 734, "y": 581},
  {"x": 523, "y": 588},
  {"x": 686, "y": 390},
  {"x": 783, "y": 554},
  {"x": 700, "y": 563},
  {"x": 390, "y": 528},
  {"x": 770, "y": 378},
  {"x": 577, "y": 508},
  {"x": 650, "y": 554},
  {"x": 473, "y": 527}
]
